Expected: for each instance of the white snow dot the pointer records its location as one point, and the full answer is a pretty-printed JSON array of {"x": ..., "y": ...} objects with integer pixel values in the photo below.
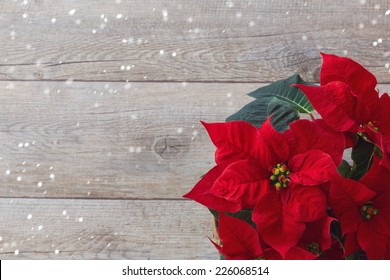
[
  {"x": 40, "y": 227},
  {"x": 56, "y": 251},
  {"x": 174, "y": 54},
  {"x": 387, "y": 65},
  {"x": 238, "y": 15},
  {"x": 52, "y": 176},
  {"x": 380, "y": 40},
  {"x": 119, "y": 16},
  {"x": 16, "y": 252},
  {"x": 124, "y": 41},
  {"x": 29, "y": 217},
  {"x": 39, "y": 184},
  {"x": 64, "y": 212},
  {"x": 361, "y": 25},
  {"x": 251, "y": 23},
  {"x": 230, "y": 4},
  {"x": 162, "y": 52},
  {"x": 190, "y": 20},
  {"x": 19, "y": 179},
  {"x": 123, "y": 67},
  {"x": 374, "y": 22},
  {"x": 26, "y": 144},
  {"x": 164, "y": 13},
  {"x": 1, "y": 238},
  {"x": 94, "y": 31},
  {"x": 128, "y": 67},
  {"x": 375, "y": 43},
  {"x": 81, "y": 219},
  {"x": 131, "y": 149},
  {"x": 25, "y": 15},
  {"x": 363, "y": 2},
  {"x": 7, "y": 172},
  {"x": 20, "y": 145},
  {"x": 387, "y": 12},
  {"x": 304, "y": 37},
  {"x": 72, "y": 12},
  {"x": 180, "y": 130}
]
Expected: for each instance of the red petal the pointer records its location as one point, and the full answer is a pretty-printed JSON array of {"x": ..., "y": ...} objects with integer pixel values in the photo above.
[
  {"x": 319, "y": 232},
  {"x": 350, "y": 244},
  {"x": 234, "y": 141},
  {"x": 367, "y": 107},
  {"x": 374, "y": 244},
  {"x": 305, "y": 135},
  {"x": 239, "y": 239},
  {"x": 384, "y": 120},
  {"x": 343, "y": 190},
  {"x": 296, "y": 253},
  {"x": 307, "y": 204},
  {"x": 275, "y": 225},
  {"x": 311, "y": 168},
  {"x": 242, "y": 182},
  {"x": 335, "y": 68},
  {"x": 334, "y": 102},
  {"x": 275, "y": 141},
  {"x": 200, "y": 192}
]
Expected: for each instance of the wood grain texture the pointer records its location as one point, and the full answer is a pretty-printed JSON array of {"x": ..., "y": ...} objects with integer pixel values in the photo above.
[
  {"x": 104, "y": 229},
  {"x": 243, "y": 41},
  {"x": 109, "y": 140}
]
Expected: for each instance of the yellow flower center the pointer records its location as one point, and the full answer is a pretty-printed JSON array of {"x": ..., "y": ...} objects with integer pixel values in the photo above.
[
  {"x": 368, "y": 211},
  {"x": 314, "y": 248},
  {"x": 280, "y": 176}
]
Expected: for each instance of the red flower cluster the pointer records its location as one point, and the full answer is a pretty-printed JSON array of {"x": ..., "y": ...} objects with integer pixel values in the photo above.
[{"x": 289, "y": 181}]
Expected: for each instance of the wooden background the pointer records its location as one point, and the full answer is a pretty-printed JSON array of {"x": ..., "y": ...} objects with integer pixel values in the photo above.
[{"x": 100, "y": 103}]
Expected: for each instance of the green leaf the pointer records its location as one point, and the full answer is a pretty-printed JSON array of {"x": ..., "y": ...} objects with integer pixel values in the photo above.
[
  {"x": 278, "y": 99},
  {"x": 214, "y": 213},
  {"x": 362, "y": 158},
  {"x": 344, "y": 169},
  {"x": 254, "y": 113},
  {"x": 282, "y": 114},
  {"x": 283, "y": 90}
]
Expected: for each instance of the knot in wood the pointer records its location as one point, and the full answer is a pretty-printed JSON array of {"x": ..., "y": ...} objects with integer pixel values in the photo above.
[{"x": 169, "y": 147}]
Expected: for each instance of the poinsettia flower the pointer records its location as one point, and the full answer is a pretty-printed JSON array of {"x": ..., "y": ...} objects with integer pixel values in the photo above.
[
  {"x": 363, "y": 209},
  {"x": 348, "y": 101},
  {"x": 259, "y": 172}
]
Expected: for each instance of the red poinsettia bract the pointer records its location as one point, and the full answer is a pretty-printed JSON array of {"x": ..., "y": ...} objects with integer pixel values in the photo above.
[{"x": 348, "y": 101}]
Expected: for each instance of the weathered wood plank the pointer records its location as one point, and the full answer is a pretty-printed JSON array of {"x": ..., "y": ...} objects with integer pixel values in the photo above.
[
  {"x": 109, "y": 140},
  {"x": 252, "y": 41},
  {"x": 104, "y": 229}
]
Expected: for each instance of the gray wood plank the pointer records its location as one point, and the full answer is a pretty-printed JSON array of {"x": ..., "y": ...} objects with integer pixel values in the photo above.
[
  {"x": 109, "y": 140},
  {"x": 251, "y": 41},
  {"x": 104, "y": 229}
]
